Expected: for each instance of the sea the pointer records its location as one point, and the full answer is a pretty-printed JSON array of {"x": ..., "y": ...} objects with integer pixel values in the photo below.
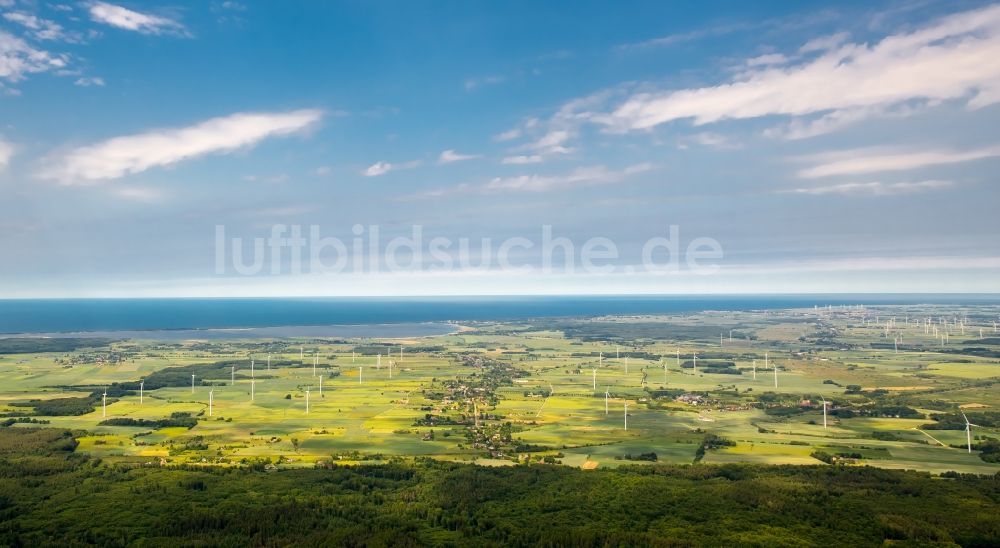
[{"x": 382, "y": 317}]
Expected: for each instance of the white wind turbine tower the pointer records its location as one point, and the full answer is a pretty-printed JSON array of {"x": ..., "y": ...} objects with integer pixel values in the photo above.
[
  {"x": 617, "y": 352},
  {"x": 664, "y": 370},
  {"x": 232, "y": 375},
  {"x": 302, "y": 353},
  {"x": 968, "y": 431},
  {"x": 626, "y": 365},
  {"x": 210, "y": 398},
  {"x": 352, "y": 356},
  {"x": 755, "y": 370},
  {"x": 695, "y": 362},
  {"x": 606, "y": 396},
  {"x": 600, "y": 359},
  {"x": 253, "y": 389},
  {"x": 359, "y": 374},
  {"x": 104, "y": 403},
  {"x": 775, "y": 368},
  {"x": 765, "y": 360},
  {"x": 626, "y": 415},
  {"x": 142, "y": 386},
  {"x": 192, "y": 383},
  {"x": 315, "y": 361},
  {"x": 400, "y": 353},
  {"x": 824, "y": 410},
  {"x": 251, "y": 368},
  {"x": 390, "y": 369},
  {"x": 321, "y": 386},
  {"x": 595, "y": 378},
  {"x": 307, "y": 401}
]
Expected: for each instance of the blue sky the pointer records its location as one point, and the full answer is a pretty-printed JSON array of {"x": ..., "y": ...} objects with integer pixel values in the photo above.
[{"x": 837, "y": 148}]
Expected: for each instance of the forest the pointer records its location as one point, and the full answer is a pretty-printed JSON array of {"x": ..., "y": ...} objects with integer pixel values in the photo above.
[{"x": 50, "y": 494}]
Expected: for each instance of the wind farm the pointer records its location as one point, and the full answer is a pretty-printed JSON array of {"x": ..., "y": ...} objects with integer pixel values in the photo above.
[{"x": 836, "y": 386}]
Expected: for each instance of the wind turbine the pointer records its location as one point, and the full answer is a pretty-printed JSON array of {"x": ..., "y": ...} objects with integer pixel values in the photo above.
[
  {"x": 315, "y": 361},
  {"x": 352, "y": 356},
  {"x": 595, "y": 379},
  {"x": 678, "y": 358},
  {"x": 232, "y": 376},
  {"x": 755, "y": 370},
  {"x": 695, "y": 361},
  {"x": 251, "y": 368},
  {"x": 664, "y": 370},
  {"x": 378, "y": 363},
  {"x": 321, "y": 386},
  {"x": 359, "y": 374},
  {"x": 617, "y": 354},
  {"x": 253, "y": 386},
  {"x": 307, "y": 401},
  {"x": 104, "y": 403},
  {"x": 824, "y": 410},
  {"x": 606, "y": 396},
  {"x": 390, "y": 369},
  {"x": 142, "y": 385},
  {"x": 600, "y": 359},
  {"x": 775, "y": 368},
  {"x": 302, "y": 353},
  {"x": 968, "y": 431},
  {"x": 192, "y": 383},
  {"x": 626, "y": 365},
  {"x": 210, "y": 398},
  {"x": 626, "y": 415}
]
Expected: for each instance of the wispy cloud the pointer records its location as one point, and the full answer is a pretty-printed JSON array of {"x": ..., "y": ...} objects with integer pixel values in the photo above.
[
  {"x": 522, "y": 159},
  {"x": 579, "y": 177},
  {"x": 878, "y": 159},
  {"x": 875, "y": 188},
  {"x": 39, "y": 28},
  {"x": 130, "y": 154},
  {"x": 146, "y": 195},
  {"x": 684, "y": 37},
  {"x": 18, "y": 59},
  {"x": 474, "y": 83},
  {"x": 450, "y": 156},
  {"x": 6, "y": 152},
  {"x": 144, "y": 23},
  {"x": 381, "y": 168},
  {"x": 88, "y": 81},
  {"x": 954, "y": 58}
]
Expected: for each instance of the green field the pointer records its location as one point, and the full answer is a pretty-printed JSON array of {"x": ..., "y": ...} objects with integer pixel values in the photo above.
[{"x": 498, "y": 393}]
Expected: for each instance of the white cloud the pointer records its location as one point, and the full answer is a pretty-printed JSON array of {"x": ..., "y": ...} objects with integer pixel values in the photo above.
[
  {"x": 88, "y": 81},
  {"x": 473, "y": 83},
  {"x": 42, "y": 29},
  {"x": 953, "y": 58},
  {"x": 130, "y": 154},
  {"x": 124, "y": 18},
  {"x": 876, "y": 160},
  {"x": 517, "y": 131},
  {"x": 875, "y": 188},
  {"x": 450, "y": 156},
  {"x": 824, "y": 43},
  {"x": 6, "y": 152},
  {"x": 376, "y": 169},
  {"x": 582, "y": 176},
  {"x": 767, "y": 60},
  {"x": 322, "y": 171},
  {"x": 18, "y": 59},
  {"x": 145, "y": 195},
  {"x": 522, "y": 159}
]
